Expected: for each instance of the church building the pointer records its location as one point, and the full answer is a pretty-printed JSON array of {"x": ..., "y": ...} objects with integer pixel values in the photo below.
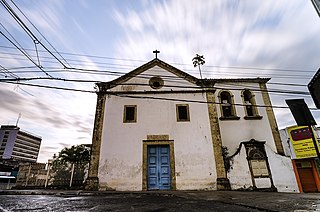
[{"x": 159, "y": 128}]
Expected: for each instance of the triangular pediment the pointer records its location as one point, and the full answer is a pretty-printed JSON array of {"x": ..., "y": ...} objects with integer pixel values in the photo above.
[{"x": 144, "y": 68}]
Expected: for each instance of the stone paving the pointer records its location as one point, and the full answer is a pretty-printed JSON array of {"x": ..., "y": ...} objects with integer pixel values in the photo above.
[
  {"x": 270, "y": 201},
  {"x": 255, "y": 201}
]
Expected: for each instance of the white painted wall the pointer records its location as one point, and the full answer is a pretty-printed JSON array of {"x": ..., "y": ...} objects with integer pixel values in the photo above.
[
  {"x": 171, "y": 81},
  {"x": 235, "y": 131},
  {"x": 282, "y": 172},
  {"x": 120, "y": 166},
  {"x": 286, "y": 144},
  {"x": 239, "y": 174},
  {"x": 121, "y": 160}
]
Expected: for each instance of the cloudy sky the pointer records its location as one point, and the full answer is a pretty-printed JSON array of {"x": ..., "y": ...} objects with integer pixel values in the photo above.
[{"x": 94, "y": 40}]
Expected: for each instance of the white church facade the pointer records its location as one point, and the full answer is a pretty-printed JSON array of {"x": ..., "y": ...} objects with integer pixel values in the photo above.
[{"x": 159, "y": 128}]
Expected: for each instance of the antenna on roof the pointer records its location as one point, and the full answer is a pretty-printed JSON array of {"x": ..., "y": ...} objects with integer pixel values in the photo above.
[{"x": 18, "y": 119}]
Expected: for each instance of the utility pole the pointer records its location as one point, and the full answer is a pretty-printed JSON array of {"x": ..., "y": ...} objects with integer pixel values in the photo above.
[
  {"x": 48, "y": 173},
  {"x": 71, "y": 177}
]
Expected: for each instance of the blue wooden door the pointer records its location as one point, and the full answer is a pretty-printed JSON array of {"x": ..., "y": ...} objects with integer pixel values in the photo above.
[{"x": 158, "y": 174}]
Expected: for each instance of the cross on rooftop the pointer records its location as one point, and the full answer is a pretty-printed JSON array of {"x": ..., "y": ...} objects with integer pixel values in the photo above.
[{"x": 156, "y": 52}]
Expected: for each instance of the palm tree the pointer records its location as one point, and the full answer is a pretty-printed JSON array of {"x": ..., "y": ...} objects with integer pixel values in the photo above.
[
  {"x": 78, "y": 156},
  {"x": 75, "y": 155},
  {"x": 198, "y": 60}
]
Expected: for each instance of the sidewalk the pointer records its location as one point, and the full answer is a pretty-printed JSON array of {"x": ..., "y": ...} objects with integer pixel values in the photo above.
[
  {"x": 270, "y": 201},
  {"x": 266, "y": 201}
]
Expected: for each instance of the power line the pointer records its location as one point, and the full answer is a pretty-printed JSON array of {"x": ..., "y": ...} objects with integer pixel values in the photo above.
[
  {"x": 6, "y": 71},
  {"x": 24, "y": 54},
  {"x": 257, "y": 88},
  {"x": 256, "y": 68},
  {"x": 193, "y": 101},
  {"x": 47, "y": 78},
  {"x": 14, "y": 39},
  {"x": 39, "y": 32},
  {"x": 277, "y": 91},
  {"x": 274, "y": 76},
  {"x": 27, "y": 30},
  {"x": 214, "y": 66},
  {"x": 52, "y": 87},
  {"x": 286, "y": 84},
  {"x": 274, "y": 91},
  {"x": 147, "y": 97},
  {"x": 87, "y": 55},
  {"x": 21, "y": 67},
  {"x": 76, "y": 60},
  {"x": 115, "y": 66}
]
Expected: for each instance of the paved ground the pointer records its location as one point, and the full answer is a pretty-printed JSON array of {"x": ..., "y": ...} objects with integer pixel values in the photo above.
[
  {"x": 269, "y": 201},
  {"x": 52, "y": 200},
  {"x": 113, "y": 202}
]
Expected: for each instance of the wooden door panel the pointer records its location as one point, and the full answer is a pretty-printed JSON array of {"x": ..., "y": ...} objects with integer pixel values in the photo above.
[{"x": 307, "y": 180}]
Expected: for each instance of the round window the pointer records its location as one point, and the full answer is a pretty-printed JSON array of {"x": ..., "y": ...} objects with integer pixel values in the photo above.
[{"x": 156, "y": 82}]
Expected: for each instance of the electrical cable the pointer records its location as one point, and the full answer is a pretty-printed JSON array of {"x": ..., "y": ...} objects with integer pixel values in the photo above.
[
  {"x": 27, "y": 30},
  {"x": 51, "y": 87},
  {"x": 278, "y": 91},
  {"x": 214, "y": 66},
  {"x": 146, "y": 97},
  {"x": 6, "y": 71},
  {"x": 25, "y": 54},
  {"x": 40, "y": 32},
  {"x": 121, "y": 66}
]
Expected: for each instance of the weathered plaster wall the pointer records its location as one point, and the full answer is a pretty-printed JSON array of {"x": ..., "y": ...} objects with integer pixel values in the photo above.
[
  {"x": 282, "y": 172},
  {"x": 239, "y": 175},
  {"x": 285, "y": 140},
  {"x": 121, "y": 153},
  {"x": 235, "y": 131}
]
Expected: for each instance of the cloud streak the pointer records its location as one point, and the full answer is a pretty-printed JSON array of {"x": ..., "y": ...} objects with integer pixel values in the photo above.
[
  {"x": 265, "y": 34},
  {"x": 237, "y": 33}
]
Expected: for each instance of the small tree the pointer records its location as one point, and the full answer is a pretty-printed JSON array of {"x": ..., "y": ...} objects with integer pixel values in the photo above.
[{"x": 70, "y": 165}]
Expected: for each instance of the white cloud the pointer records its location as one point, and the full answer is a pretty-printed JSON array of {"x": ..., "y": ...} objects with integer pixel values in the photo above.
[{"x": 266, "y": 34}]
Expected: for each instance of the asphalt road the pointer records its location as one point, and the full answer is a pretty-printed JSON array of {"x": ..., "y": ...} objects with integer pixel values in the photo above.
[{"x": 113, "y": 202}]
